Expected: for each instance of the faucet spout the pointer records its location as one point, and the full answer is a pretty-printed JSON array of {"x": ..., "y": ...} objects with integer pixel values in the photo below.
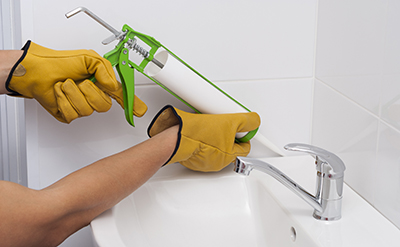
[
  {"x": 328, "y": 198},
  {"x": 245, "y": 165}
]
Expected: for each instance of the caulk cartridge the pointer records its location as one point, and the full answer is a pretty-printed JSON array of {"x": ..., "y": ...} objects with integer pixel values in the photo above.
[
  {"x": 166, "y": 69},
  {"x": 194, "y": 89}
]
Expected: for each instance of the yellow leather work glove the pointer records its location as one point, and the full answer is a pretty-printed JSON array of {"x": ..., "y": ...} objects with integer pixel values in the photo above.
[
  {"x": 206, "y": 142},
  {"x": 58, "y": 81}
]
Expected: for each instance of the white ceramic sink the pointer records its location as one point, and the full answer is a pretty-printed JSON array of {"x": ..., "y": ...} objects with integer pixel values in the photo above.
[{"x": 179, "y": 207}]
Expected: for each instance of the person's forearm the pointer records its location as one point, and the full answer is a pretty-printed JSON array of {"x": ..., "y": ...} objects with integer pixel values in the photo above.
[
  {"x": 97, "y": 187},
  {"x": 7, "y": 60},
  {"x": 48, "y": 216}
]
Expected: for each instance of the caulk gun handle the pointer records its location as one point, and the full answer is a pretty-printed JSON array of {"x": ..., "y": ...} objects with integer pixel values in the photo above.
[
  {"x": 126, "y": 74},
  {"x": 93, "y": 79},
  {"x": 119, "y": 58}
]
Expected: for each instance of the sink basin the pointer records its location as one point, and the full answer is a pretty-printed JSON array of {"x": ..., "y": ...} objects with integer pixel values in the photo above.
[{"x": 179, "y": 207}]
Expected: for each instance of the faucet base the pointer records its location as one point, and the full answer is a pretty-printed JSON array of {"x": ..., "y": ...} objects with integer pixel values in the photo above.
[
  {"x": 332, "y": 210},
  {"x": 319, "y": 217}
]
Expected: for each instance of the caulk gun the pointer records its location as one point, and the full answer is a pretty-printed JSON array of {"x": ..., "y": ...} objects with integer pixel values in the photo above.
[{"x": 168, "y": 71}]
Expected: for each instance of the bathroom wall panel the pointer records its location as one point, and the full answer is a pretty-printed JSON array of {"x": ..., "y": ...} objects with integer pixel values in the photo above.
[
  {"x": 387, "y": 173},
  {"x": 224, "y": 40},
  {"x": 350, "y": 48},
  {"x": 390, "y": 99},
  {"x": 357, "y": 63},
  {"x": 390, "y": 95}
]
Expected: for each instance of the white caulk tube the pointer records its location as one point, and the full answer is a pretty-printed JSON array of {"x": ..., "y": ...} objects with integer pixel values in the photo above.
[{"x": 196, "y": 91}]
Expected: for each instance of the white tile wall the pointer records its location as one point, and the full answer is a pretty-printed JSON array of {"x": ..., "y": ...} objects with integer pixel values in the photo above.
[
  {"x": 260, "y": 52},
  {"x": 387, "y": 190},
  {"x": 224, "y": 40},
  {"x": 390, "y": 99},
  {"x": 356, "y": 102},
  {"x": 350, "y": 48}
]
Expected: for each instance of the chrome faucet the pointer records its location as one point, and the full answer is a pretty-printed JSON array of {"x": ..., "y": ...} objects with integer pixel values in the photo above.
[{"x": 327, "y": 202}]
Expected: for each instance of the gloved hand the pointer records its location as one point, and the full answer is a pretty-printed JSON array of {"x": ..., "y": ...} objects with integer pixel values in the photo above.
[
  {"x": 58, "y": 81},
  {"x": 206, "y": 142}
]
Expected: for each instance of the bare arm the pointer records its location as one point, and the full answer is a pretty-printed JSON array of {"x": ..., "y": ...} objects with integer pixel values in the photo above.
[
  {"x": 7, "y": 60},
  {"x": 47, "y": 217}
]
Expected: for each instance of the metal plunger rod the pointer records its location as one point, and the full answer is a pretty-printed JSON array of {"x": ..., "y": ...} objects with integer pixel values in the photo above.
[
  {"x": 145, "y": 54},
  {"x": 158, "y": 63},
  {"x": 133, "y": 45},
  {"x": 117, "y": 34}
]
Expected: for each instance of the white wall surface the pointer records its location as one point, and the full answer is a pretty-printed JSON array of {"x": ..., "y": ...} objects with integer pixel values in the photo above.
[
  {"x": 260, "y": 52},
  {"x": 357, "y": 96},
  {"x": 13, "y": 165}
]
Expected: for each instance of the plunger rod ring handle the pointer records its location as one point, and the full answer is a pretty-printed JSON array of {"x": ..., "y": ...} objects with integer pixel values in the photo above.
[{"x": 95, "y": 17}]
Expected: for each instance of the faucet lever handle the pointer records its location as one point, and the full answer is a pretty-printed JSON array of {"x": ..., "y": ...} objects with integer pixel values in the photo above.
[{"x": 331, "y": 159}]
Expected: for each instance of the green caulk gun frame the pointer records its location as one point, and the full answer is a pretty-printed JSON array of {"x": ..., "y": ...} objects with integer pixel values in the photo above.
[{"x": 119, "y": 58}]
